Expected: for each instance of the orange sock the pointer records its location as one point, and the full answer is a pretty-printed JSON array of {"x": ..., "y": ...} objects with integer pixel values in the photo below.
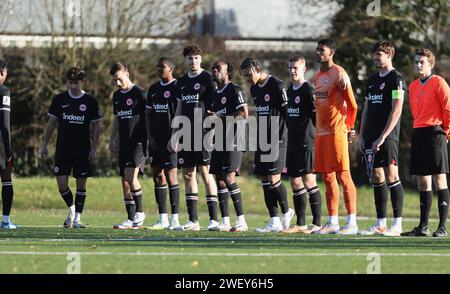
[
  {"x": 331, "y": 193},
  {"x": 345, "y": 178}
]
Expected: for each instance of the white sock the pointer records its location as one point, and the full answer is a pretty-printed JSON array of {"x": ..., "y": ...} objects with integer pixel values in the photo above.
[
  {"x": 6, "y": 218},
  {"x": 381, "y": 222},
  {"x": 77, "y": 218},
  {"x": 163, "y": 218},
  {"x": 226, "y": 220},
  {"x": 397, "y": 221},
  {"x": 333, "y": 219},
  {"x": 351, "y": 219},
  {"x": 72, "y": 209},
  {"x": 241, "y": 218},
  {"x": 276, "y": 220},
  {"x": 174, "y": 216}
]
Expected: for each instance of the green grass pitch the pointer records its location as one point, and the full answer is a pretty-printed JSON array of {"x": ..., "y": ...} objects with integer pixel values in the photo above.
[{"x": 41, "y": 245}]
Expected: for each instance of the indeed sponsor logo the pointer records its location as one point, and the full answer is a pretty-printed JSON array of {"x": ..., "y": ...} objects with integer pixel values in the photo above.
[
  {"x": 263, "y": 108},
  {"x": 375, "y": 98},
  {"x": 125, "y": 112},
  {"x": 223, "y": 111},
  {"x": 73, "y": 118},
  {"x": 160, "y": 106},
  {"x": 189, "y": 98},
  {"x": 319, "y": 94},
  {"x": 293, "y": 110}
]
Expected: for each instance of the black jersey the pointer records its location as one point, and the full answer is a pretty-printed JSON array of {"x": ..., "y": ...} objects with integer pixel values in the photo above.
[
  {"x": 195, "y": 93},
  {"x": 379, "y": 92},
  {"x": 5, "y": 129},
  {"x": 129, "y": 107},
  {"x": 301, "y": 117},
  {"x": 226, "y": 102},
  {"x": 74, "y": 115},
  {"x": 271, "y": 100},
  {"x": 162, "y": 104}
]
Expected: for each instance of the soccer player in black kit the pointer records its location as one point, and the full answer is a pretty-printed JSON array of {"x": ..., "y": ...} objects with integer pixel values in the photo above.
[
  {"x": 161, "y": 107},
  {"x": 380, "y": 130},
  {"x": 195, "y": 89},
  {"x": 129, "y": 109},
  {"x": 76, "y": 114},
  {"x": 6, "y": 160},
  {"x": 301, "y": 120},
  {"x": 269, "y": 95},
  {"x": 227, "y": 102}
]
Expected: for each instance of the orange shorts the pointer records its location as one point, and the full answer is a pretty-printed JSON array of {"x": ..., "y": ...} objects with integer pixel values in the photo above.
[{"x": 331, "y": 153}]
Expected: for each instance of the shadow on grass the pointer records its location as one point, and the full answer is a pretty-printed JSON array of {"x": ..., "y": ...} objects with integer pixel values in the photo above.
[{"x": 106, "y": 237}]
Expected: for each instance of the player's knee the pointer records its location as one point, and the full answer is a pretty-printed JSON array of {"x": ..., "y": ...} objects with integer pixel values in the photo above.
[
  {"x": 309, "y": 181},
  {"x": 230, "y": 179},
  {"x": 273, "y": 179},
  {"x": 423, "y": 183},
  {"x": 440, "y": 181},
  {"x": 159, "y": 179},
  {"x": 221, "y": 185},
  {"x": 188, "y": 176},
  {"x": 379, "y": 178},
  {"x": 392, "y": 178},
  {"x": 329, "y": 178}
]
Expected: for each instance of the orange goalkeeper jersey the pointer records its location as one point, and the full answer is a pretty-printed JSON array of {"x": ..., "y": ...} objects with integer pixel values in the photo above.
[
  {"x": 430, "y": 103},
  {"x": 336, "y": 108}
]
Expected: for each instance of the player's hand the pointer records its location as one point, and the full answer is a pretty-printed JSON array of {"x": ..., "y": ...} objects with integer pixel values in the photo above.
[
  {"x": 210, "y": 140},
  {"x": 377, "y": 144},
  {"x": 210, "y": 113},
  {"x": 112, "y": 146},
  {"x": 351, "y": 136},
  {"x": 9, "y": 162},
  {"x": 361, "y": 144},
  {"x": 43, "y": 152},
  {"x": 173, "y": 148},
  {"x": 92, "y": 154}
]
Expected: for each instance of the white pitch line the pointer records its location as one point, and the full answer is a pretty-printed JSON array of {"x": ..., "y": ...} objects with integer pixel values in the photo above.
[
  {"x": 187, "y": 239},
  {"x": 229, "y": 254}
]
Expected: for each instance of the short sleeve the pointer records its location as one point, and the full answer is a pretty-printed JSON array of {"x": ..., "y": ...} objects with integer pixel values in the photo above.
[{"x": 55, "y": 109}]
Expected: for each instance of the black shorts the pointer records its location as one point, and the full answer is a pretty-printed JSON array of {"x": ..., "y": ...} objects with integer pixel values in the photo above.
[
  {"x": 300, "y": 162},
  {"x": 193, "y": 158},
  {"x": 275, "y": 167},
  {"x": 67, "y": 163},
  {"x": 428, "y": 151},
  {"x": 387, "y": 155},
  {"x": 131, "y": 158},
  {"x": 163, "y": 159},
  {"x": 225, "y": 162}
]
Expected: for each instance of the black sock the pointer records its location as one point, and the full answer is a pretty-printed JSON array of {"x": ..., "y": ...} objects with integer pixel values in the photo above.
[
  {"x": 161, "y": 198},
  {"x": 443, "y": 200},
  {"x": 130, "y": 206},
  {"x": 269, "y": 199},
  {"x": 315, "y": 202},
  {"x": 67, "y": 196},
  {"x": 281, "y": 195},
  {"x": 211, "y": 201},
  {"x": 191, "y": 204},
  {"x": 396, "y": 189},
  {"x": 426, "y": 198},
  {"x": 235, "y": 194},
  {"x": 80, "y": 198},
  {"x": 299, "y": 197},
  {"x": 174, "y": 195},
  {"x": 137, "y": 196},
  {"x": 223, "y": 201},
  {"x": 380, "y": 193},
  {"x": 7, "y": 196}
]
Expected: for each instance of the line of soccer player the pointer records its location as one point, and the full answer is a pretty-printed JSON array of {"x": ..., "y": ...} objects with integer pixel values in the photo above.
[{"x": 315, "y": 126}]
